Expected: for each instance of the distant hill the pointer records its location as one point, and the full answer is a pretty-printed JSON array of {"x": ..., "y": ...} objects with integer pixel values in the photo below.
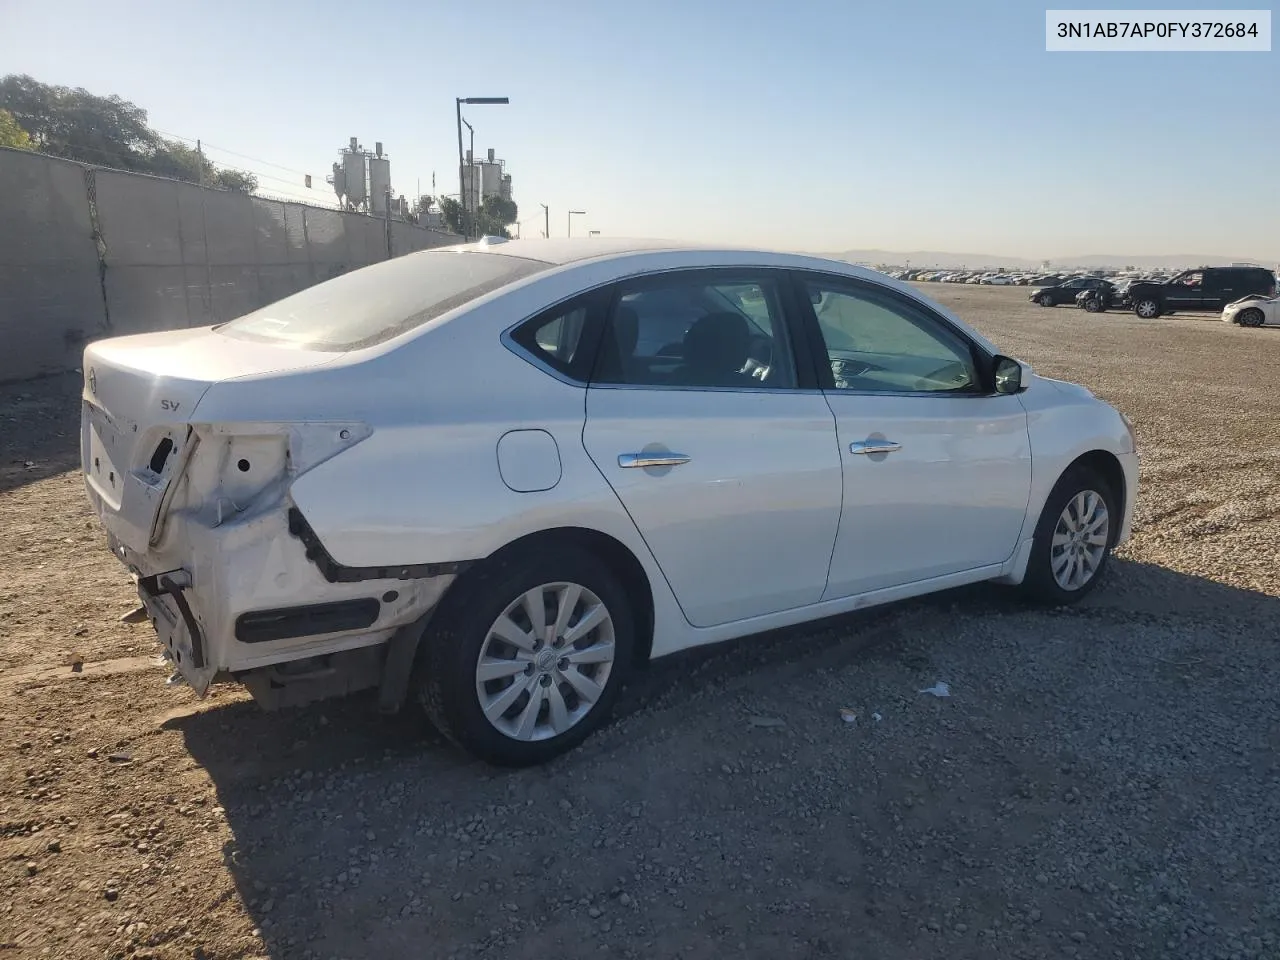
[{"x": 945, "y": 260}]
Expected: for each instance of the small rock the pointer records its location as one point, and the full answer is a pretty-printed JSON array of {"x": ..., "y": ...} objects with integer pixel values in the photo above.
[
  {"x": 565, "y": 805},
  {"x": 54, "y": 846},
  {"x": 1078, "y": 936},
  {"x": 594, "y": 912},
  {"x": 32, "y": 869},
  {"x": 120, "y": 757},
  {"x": 625, "y": 899},
  {"x": 111, "y": 893}
]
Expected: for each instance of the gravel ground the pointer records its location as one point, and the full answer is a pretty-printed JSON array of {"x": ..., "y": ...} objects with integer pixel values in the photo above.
[{"x": 1102, "y": 782}]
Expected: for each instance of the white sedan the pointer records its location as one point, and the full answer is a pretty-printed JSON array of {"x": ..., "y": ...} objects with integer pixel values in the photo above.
[
  {"x": 494, "y": 478},
  {"x": 1254, "y": 311}
]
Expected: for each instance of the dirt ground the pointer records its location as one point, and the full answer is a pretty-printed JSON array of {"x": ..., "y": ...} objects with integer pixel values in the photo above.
[{"x": 1103, "y": 781}]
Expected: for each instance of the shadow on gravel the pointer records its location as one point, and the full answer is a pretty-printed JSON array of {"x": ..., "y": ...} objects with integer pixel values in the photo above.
[
  {"x": 39, "y": 429},
  {"x": 353, "y": 829}
]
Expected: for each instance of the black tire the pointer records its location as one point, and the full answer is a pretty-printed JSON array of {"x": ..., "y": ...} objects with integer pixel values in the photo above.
[
  {"x": 1251, "y": 317},
  {"x": 1039, "y": 583},
  {"x": 1094, "y": 305},
  {"x": 1045, "y": 300},
  {"x": 1148, "y": 308},
  {"x": 445, "y": 673}
]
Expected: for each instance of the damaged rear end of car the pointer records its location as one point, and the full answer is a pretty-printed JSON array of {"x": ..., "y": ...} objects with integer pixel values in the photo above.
[
  {"x": 191, "y": 443},
  {"x": 227, "y": 568}
]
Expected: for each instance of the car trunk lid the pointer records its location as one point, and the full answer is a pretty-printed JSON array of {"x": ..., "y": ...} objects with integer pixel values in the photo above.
[{"x": 140, "y": 395}]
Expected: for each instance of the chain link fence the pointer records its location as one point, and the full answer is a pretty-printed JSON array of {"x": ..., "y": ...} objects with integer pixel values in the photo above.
[{"x": 87, "y": 252}]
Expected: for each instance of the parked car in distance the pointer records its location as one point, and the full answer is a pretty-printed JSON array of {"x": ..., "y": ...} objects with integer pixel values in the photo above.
[
  {"x": 668, "y": 447},
  {"x": 1064, "y": 292},
  {"x": 1254, "y": 310},
  {"x": 1100, "y": 298},
  {"x": 1204, "y": 288}
]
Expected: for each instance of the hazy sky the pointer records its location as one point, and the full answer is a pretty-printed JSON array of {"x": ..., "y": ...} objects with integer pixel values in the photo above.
[{"x": 803, "y": 124}]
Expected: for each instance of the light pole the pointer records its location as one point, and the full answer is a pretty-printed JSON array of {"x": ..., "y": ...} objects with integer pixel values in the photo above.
[
  {"x": 467, "y": 206},
  {"x": 572, "y": 214},
  {"x": 462, "y": 188}
]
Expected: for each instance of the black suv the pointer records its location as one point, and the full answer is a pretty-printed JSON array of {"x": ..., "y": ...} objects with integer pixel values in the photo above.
[
  {"x": 1064, "y": 292},
  {"x": 1206, "y": 288}
]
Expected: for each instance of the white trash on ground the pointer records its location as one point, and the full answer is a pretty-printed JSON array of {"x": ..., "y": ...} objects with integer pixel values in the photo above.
[{"x": 939, "y": 689}]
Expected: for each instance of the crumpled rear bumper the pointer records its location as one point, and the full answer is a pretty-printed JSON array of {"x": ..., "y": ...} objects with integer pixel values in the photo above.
[{"x": 245, "y": 595}]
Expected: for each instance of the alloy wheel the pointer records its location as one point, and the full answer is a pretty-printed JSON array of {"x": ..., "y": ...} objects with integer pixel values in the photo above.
[
  {"x": 1080, "y": 540},
  {"x": 1148, "y": 309},
  {"x": 545, "y": 661}
]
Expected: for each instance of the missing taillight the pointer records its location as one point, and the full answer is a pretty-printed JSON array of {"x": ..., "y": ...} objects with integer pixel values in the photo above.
[{"x": 161, "y": 455}]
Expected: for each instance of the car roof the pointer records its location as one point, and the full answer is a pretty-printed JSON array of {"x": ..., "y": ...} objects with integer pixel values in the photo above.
[{"x": 565, "y": 251}]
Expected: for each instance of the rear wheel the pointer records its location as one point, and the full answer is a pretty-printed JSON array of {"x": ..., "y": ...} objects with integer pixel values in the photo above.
[
  {"x": 1093, "y": 305},
  {"x": 1147, "y": 308},
  {"x": 1073, "y": 538},
  {"x": 1250, "y": 318},
  {"x": 527, "y": 658}
]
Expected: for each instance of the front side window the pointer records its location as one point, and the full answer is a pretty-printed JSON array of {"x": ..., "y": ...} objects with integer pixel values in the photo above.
[
  {"x": 879, "y": 343},
  {"x": 698, "y": 330}
]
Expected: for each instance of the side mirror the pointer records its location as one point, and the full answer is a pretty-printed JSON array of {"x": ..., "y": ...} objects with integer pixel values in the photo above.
[{"x": 1012, "y": 376}]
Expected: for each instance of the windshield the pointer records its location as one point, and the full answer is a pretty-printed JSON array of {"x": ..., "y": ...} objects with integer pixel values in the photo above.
[{"x": 374, "y": 304}]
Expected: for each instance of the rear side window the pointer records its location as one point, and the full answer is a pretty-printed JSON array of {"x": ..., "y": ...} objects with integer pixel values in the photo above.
[
  {"x": 373, "y": 304},
  {"x": 564, "y": 337}
]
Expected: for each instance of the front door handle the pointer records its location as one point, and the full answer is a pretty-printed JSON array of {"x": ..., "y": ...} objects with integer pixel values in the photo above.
[
  {"x": 632, "y": 460},
  {"x": 874, "y": 446}
]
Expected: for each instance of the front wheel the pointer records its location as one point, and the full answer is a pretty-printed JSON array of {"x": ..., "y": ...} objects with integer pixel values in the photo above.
[
  {"x": 526, "y": 659},
  {"x": 1250, "y": 318},
  {"x": 1045, "y": 300},
  {"x": 1146, "y": 308},
  {"x": 1073, "y": 538},
  {"x": 1093, "y": 305}
]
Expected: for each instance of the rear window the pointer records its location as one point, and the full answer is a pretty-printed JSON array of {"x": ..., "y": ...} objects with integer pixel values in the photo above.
[{"x": 373, "y": 304}]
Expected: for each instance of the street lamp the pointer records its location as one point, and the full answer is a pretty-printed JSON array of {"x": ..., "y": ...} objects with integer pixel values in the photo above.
[
  {"x": 472, "y": 187},
  {"x": 462, "y": 188},
  {"x": 572, "y": 214}
]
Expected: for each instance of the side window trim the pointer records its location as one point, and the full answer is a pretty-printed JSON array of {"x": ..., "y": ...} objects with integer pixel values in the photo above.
[
  {"x": 799, "y": 348},
  {"x": 519, "y": 337},
  {"x": 982, "y": 361}
]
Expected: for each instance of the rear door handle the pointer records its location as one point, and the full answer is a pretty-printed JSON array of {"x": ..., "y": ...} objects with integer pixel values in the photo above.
[
  {"x": 874, "y": 446},
  {"x": 633, "y": 460}
]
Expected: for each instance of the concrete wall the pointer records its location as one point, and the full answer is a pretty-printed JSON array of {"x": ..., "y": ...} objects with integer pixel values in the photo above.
[{"x": 88, "y": 252}]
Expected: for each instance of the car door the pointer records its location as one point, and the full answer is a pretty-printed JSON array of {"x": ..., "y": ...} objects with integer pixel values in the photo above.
[
  {"x": 937, "y": 467},
  {"x": 1216, "y": 289},
  {"x": 718, "y": 444},
  {"x": 1185, "y": 291}
]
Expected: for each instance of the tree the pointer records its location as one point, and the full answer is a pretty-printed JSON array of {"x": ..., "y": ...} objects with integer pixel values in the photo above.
[
  {"x": 239, "y": 180},
  {"x": 78, "y": 125},
  {"x": 495, "y": 215},
  {"x": 12, "y": 135},
  {"x": 423, "y": 204},
  {"x": 450, "y": 214},
  {"x": 107, "y": 132}
]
